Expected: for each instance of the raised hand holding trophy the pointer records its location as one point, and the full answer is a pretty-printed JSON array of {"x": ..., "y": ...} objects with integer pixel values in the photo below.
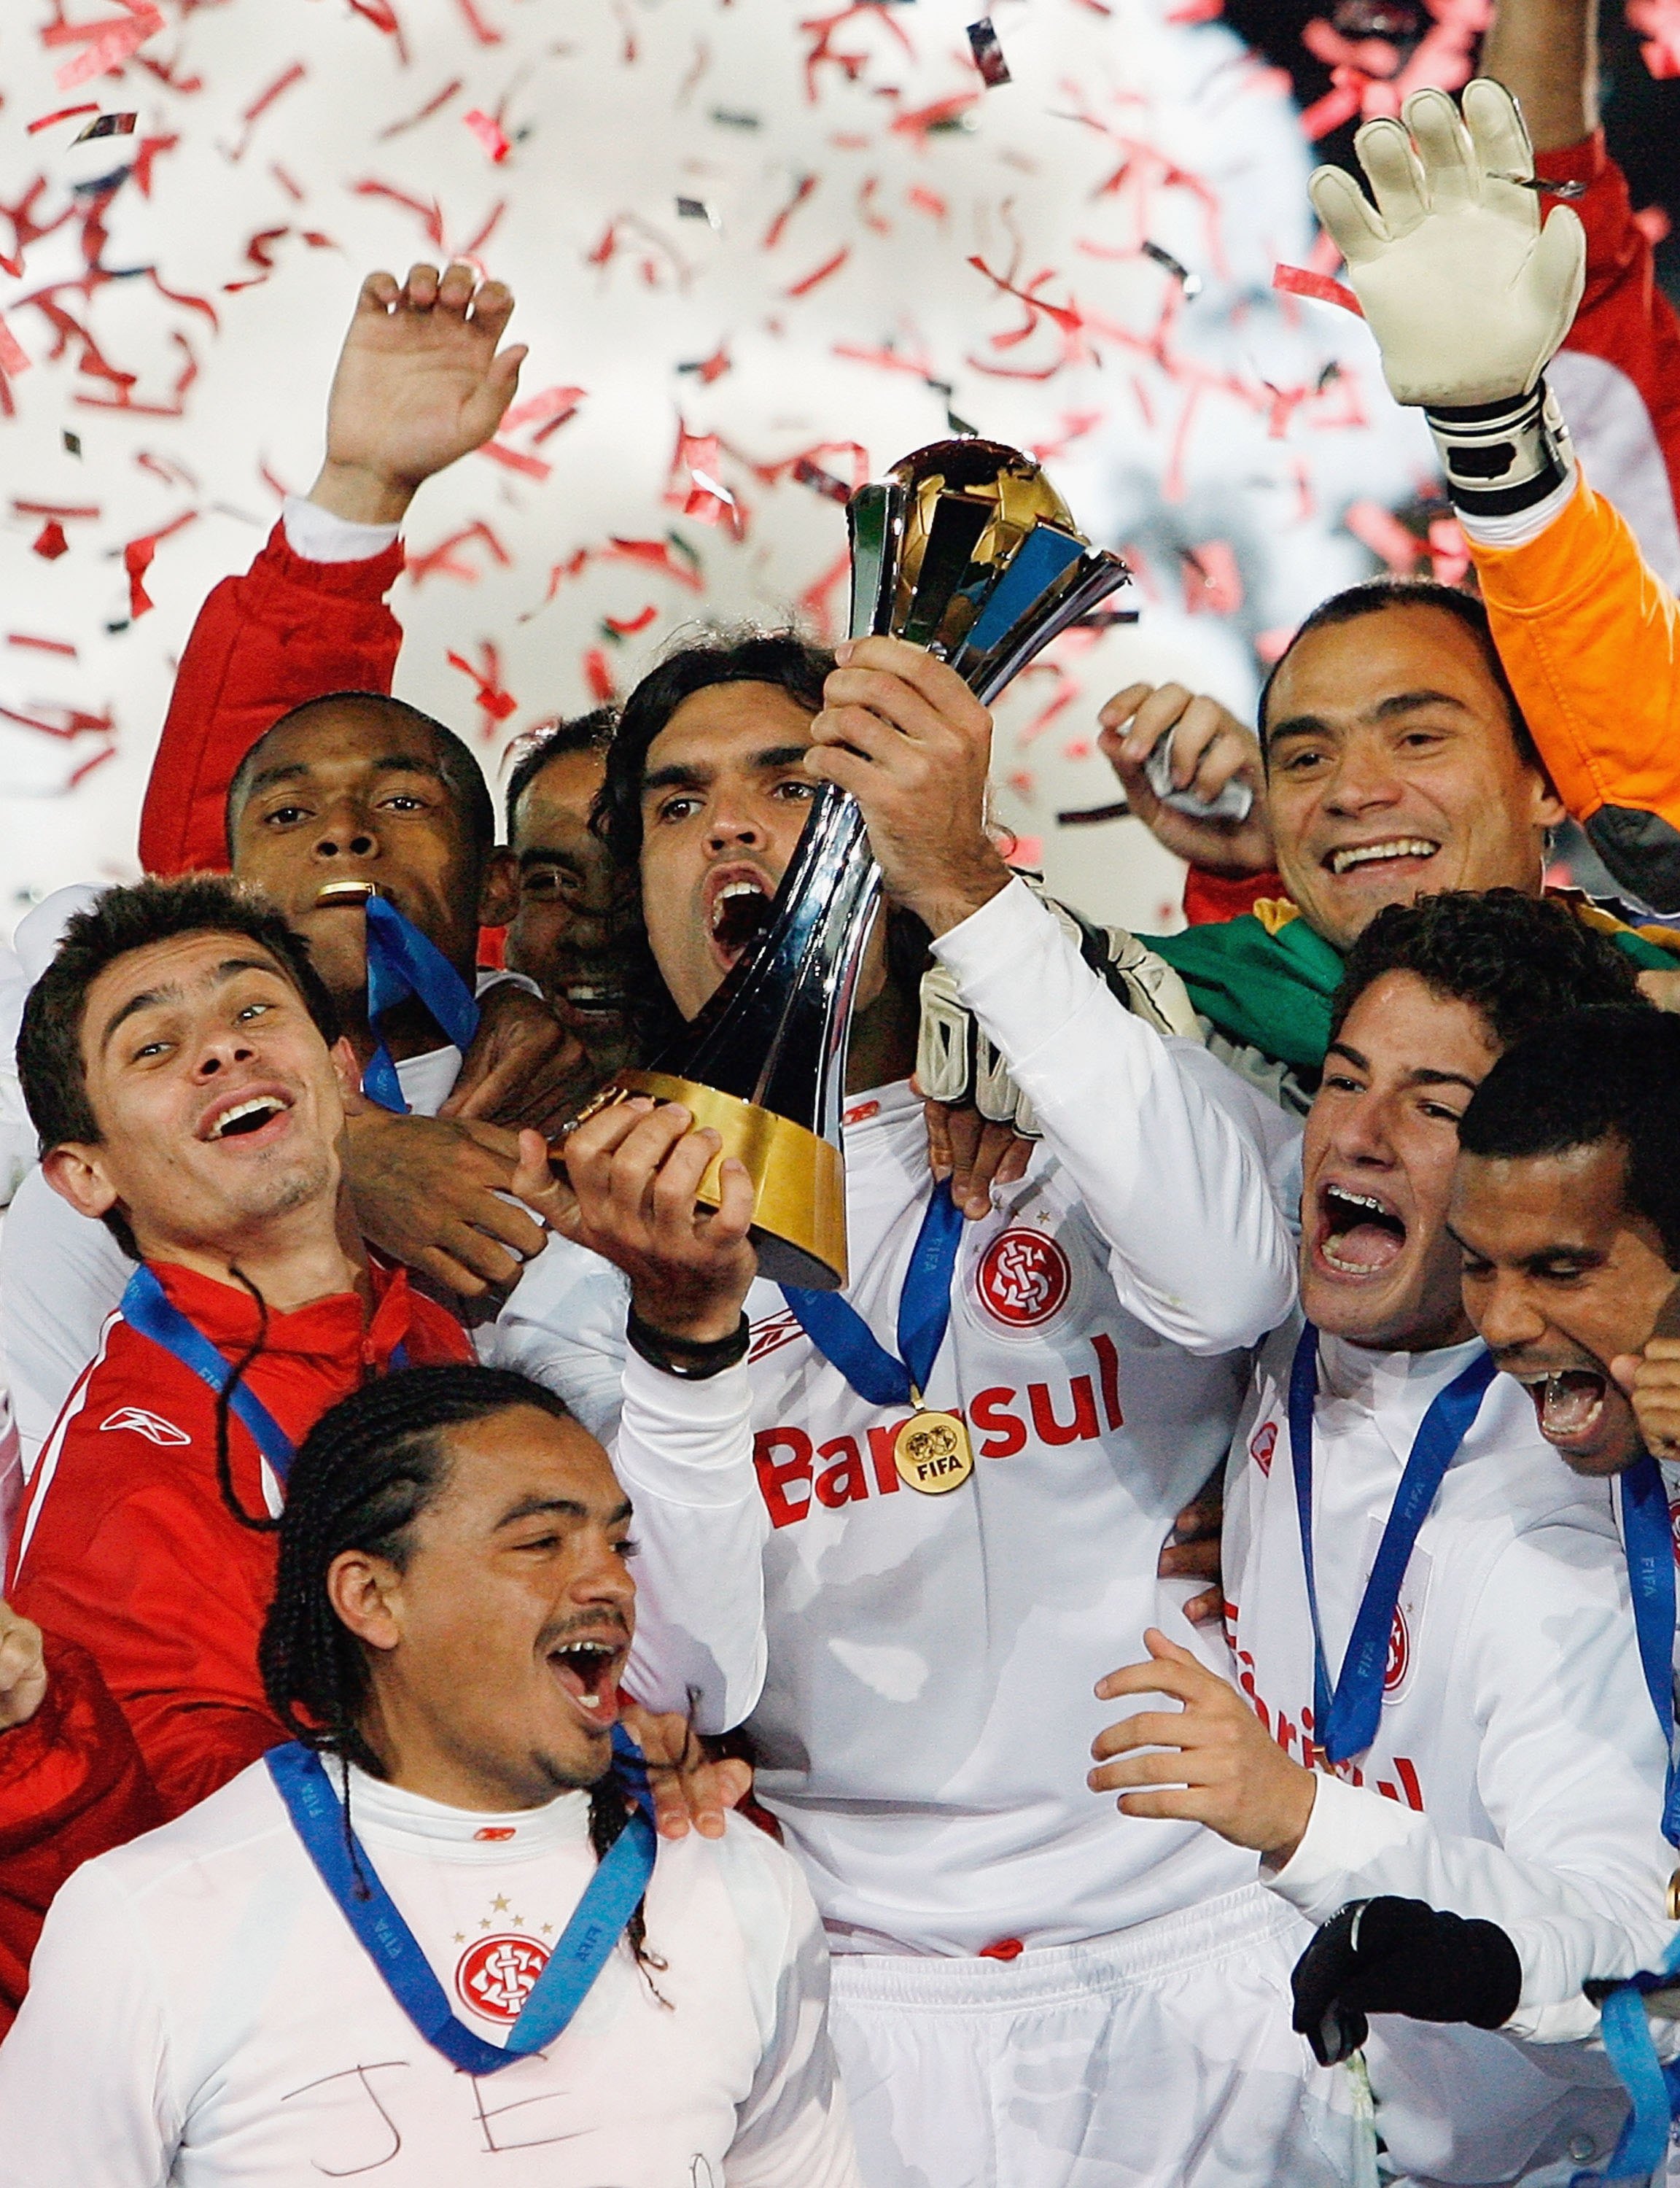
[{"x": 965, "y": 549}]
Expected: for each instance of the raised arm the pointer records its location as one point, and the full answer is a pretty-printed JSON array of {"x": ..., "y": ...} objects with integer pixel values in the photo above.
[
  {"x": 1165, "y": 1147},
  {"x": 1587, "y": 630},
  {"x": 420, "y": 382}
]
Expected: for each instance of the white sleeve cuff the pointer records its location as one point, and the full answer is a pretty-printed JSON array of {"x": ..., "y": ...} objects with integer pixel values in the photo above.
[
  {"x": 1525, "y": 524},
  {"x": 686, "y": 1442},
  {"x": 1347, "y": 1834},
  {"x": 319, "y": 536}
]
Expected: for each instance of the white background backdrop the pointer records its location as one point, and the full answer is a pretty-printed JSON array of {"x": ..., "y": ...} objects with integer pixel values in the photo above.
[{"x": 829, "y": 282}]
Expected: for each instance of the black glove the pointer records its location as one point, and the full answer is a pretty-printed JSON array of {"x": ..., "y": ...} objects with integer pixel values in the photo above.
[{"x": 1400, "y": 1956}]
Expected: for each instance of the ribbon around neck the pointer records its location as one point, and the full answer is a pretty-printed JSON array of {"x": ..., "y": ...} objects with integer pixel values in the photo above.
[
  {"x": 581, "y": 1952},
  {"x": 402, "y": 962},
  {"x": 846, "y": 1340},
  {"x": 1345, "y": 1718},
  {"x": 147, "y": 1307},
  {"x": 1652, "y": 2088}
]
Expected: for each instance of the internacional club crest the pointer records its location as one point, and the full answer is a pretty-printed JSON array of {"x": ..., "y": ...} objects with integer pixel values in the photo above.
[
  {"x": 1400, "y": 1653},
  {"x": 1023, "y": 1279},
  {"x": 495, "y": 1975}
]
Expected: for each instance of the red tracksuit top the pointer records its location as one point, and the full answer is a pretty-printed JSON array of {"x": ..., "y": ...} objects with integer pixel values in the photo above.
[{"x": 126, "y": 1545}]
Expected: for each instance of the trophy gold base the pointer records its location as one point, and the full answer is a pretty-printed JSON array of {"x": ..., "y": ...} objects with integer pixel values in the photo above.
[{"x": 799, "y": 1220}]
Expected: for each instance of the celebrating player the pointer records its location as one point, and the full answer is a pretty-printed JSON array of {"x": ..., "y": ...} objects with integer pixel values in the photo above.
[
  {"x": 182, "y": 1065},
  {"x": 396, "y": 1942},
  {"x": 1429, "y": 1617},
  {"x": 1075, "y": 1351}
]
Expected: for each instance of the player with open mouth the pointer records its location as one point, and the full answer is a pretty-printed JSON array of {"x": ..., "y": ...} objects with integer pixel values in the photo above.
[{"x": 1445, "y": 1707}]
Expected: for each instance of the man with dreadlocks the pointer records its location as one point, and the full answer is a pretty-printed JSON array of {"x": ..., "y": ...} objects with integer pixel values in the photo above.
[
  {"x": 394, "y": 1944},
  {"x": 182, "y": 1065}
]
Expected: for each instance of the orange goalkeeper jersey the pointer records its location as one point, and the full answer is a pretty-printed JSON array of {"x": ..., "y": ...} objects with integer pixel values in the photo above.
[{"x": 1590, "y": 637}]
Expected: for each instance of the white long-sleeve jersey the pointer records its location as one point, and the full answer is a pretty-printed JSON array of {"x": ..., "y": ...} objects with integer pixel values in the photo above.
[
  {"x": 200, "y": 2012},
  {"x": 1517, "y": 1774},
  {"x": 928, "y": 1711}
]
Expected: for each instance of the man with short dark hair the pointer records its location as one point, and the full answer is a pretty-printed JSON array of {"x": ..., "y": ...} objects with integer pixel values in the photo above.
[
  {"x": 1429, "y": 1617},
  {"x": 1565, "y": 1212},
  {"x": 357, "y": 815},
  {"x": 1567, "y": 1208},
  {"x": 183, "y": 1067},
  {"x": 434, "y": 1934},
  {"x": 1397, "y": 765}
]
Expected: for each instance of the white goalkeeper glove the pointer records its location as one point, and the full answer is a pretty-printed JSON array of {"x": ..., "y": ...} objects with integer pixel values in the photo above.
[{"x": 1467, "y": 293}]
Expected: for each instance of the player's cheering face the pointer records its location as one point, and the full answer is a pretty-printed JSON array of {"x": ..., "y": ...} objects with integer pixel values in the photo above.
[
  {"x": 355, "y": 797},
  {"x": 1394, "y": 771},
  {"x": 1562, "y": 1278},
  {"x": 495, "y": 1649},
  {"x": 1377, "y": 1265},
  {"x": 219, "y": 1106},
  {"x": 723, "y": 798}
]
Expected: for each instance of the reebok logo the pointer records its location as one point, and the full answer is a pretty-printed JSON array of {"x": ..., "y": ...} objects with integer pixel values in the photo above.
[{"x": 152, "y": 1426}]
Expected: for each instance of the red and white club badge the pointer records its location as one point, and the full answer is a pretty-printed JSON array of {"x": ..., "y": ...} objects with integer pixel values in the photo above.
[
  {"x": 1023, "y": 1279},
  {"x": 497, "y": 1974},
  {"x": 1264, "y": 1444},
  {"x": 1400, "y": 1653}
]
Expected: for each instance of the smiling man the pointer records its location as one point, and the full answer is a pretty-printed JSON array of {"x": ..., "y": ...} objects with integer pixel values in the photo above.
[
  {"x": 184, "y": 1069},
  {"x": 549, "y": 1996},
  {"x": 1429, "y": 1617},
  {"x": 1398, "y": 765}
]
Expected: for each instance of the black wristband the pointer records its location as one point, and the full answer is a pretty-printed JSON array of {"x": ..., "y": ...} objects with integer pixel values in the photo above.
[{"x": 691, "y": 1360}]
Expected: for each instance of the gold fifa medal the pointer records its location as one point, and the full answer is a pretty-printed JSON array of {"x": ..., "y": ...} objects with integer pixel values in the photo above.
[
  {"x": 1672, "y": 1897},
  {"x": 933, "y": 1453}
]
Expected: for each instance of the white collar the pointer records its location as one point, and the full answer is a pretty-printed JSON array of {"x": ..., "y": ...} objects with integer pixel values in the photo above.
[
  {"x": 384, "y": 1814},
  {"x": 1378, "y": 1380}
]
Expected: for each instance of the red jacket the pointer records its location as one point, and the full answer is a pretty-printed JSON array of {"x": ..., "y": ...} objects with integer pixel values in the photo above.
[
  {"x": 125, "y": 1544},
  {"x": 71, "y": 1785},
  {"x": 287, "y": 631}
]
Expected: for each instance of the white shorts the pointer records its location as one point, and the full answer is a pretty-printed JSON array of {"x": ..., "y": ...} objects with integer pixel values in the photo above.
[{"x": 1160, "y": 2056}]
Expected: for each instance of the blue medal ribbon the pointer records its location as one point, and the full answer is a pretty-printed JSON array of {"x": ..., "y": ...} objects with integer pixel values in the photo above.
[
  {"x": 846, "y": 1340},
  {"x": 1652, "y": 2088},
  {"x": 581, "y": 1952},
  {"x": 1650, "y": 1540},
  {"x": 147, "y": 1307},
  {"x": 1344, "y": 1721},
  {"x": 402, "y": 962}
]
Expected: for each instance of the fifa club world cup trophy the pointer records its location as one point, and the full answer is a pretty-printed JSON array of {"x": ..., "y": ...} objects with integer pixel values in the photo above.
[{"x": 966, "y": 548}]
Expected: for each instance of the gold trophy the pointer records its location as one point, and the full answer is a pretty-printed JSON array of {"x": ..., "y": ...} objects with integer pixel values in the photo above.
[{"x": 966, "y": 548}]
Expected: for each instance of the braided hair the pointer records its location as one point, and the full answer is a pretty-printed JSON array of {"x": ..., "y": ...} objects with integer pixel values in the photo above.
[{"x": 368, "y": 1470}]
